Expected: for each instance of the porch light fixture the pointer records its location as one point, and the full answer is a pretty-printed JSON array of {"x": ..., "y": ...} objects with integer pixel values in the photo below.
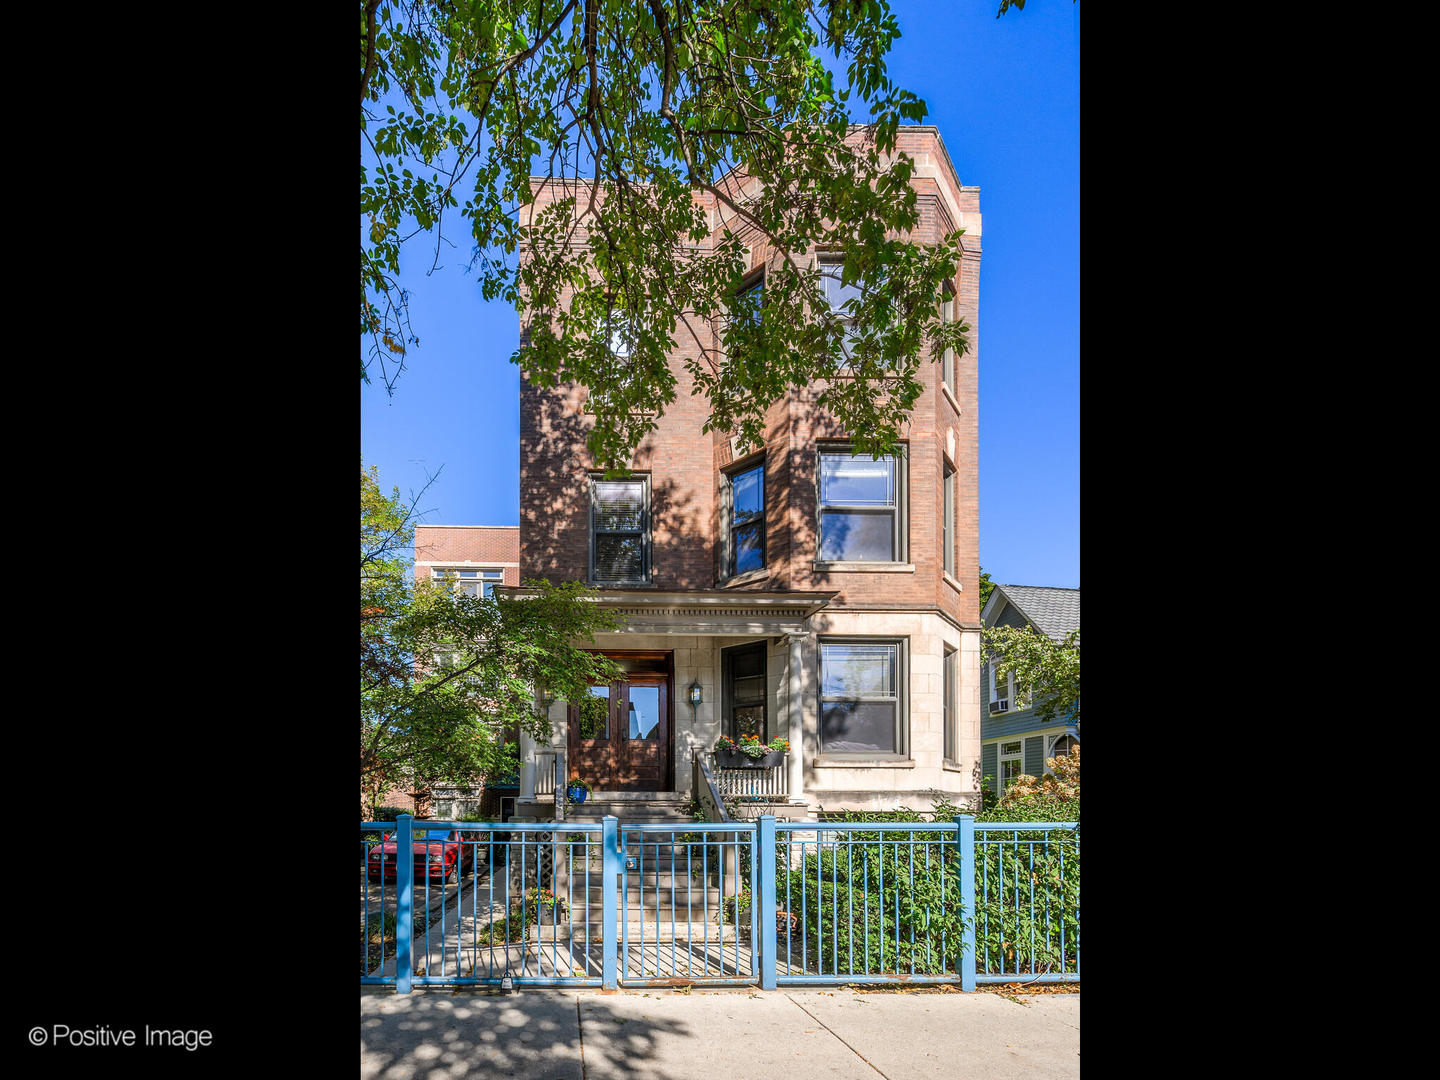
[{"x": 695, "y": 695}]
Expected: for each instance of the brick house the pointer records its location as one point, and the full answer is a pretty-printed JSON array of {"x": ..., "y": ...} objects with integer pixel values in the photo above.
[
  {"x": 479, "y": 557},
  {"x": 795, "y": 589}
]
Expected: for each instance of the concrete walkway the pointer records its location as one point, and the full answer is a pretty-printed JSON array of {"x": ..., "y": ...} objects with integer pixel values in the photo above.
[{"x": 737, "y": 1034}]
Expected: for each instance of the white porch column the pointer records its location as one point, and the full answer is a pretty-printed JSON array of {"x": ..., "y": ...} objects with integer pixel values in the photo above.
[
  {"x": 795, "y": 700},
  {"x": 527, "y": 767}
]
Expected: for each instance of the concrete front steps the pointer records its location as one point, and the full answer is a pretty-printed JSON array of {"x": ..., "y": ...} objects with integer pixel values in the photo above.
[
  {"x": 670, "y": 878},
  {"x": 633, "y": 808}
]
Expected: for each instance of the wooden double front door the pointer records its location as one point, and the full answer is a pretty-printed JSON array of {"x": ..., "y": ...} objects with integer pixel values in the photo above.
[{"x": 620, "y": 736}]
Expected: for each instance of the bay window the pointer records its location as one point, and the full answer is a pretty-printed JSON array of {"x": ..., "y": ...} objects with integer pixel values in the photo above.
[
  {"x": 862, "y": 698},
  {"x": 861, "y": 502}
]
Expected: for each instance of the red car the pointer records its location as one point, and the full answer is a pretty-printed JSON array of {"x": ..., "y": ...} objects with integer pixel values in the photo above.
[{"x": 438, "y": 853}]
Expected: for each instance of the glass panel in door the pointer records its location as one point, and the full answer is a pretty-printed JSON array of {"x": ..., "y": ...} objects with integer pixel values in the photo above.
[{"x": 644, "y": 713}]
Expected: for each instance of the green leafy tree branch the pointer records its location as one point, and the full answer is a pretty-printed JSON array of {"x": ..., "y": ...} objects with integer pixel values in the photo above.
[
  {"x": 444, "y": 676},
  {"x": 658, "y": 124},
  {"x": 1048, "y": 670}
]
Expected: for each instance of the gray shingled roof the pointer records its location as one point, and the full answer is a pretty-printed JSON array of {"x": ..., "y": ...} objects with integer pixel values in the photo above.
[{"x": 1054, "y": 611}]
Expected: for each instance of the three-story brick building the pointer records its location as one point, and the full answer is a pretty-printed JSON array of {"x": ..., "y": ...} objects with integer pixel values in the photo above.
[{"x": 786, "y": 589}]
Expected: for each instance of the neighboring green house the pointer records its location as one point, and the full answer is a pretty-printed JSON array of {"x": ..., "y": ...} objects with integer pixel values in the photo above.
[{"x": 1012, "y": 740}]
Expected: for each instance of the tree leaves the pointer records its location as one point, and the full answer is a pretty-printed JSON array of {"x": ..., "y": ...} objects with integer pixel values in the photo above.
[
  {"x": 1048, "y": 670},
  {"x": 672, "y": 137},
  {"x": 444, "y": 676}
]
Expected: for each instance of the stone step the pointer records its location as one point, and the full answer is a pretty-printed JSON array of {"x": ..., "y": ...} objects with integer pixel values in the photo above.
[
  {"x": 574, "y": 930},
  {"x": 648, "y": 816}
]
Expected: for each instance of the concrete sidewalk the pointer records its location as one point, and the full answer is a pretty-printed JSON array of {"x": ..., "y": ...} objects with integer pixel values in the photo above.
[{"x": 739, "y": 1034}]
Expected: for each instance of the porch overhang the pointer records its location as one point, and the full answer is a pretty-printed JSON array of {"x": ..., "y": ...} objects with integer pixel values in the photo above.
[{"x": 715, "y": 612}]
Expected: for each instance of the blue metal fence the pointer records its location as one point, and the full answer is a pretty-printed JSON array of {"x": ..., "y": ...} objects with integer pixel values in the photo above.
[{"x": 773, "y": 903}]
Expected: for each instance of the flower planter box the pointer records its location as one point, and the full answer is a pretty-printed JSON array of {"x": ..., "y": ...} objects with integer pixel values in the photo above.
[{"x": 733, "y": 759}]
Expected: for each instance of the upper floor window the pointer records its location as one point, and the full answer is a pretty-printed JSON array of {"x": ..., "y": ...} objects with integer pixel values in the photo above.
[
  {"x": 1004, "y": 694},
  {"x": 837, "y": 294},
  {"x": 861, "y": 501},
  {"x": 620, "y": 531},
  {"x": 745, "y": 529},
  {"x": 749, "y": 299},
  {"x": 947, "y": 525},
  {"x": 478, "y": 583},
  {"x": 861, "y": 699},
  {"x": 947, "y": 359}
]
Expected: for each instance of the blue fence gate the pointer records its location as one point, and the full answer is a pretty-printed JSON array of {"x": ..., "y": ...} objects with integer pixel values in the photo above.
[{"x": 767, "y": 903}]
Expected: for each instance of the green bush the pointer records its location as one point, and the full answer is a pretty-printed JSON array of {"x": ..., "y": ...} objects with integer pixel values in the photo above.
[
  {"x": 1027, "y": 888},
  {"x": 389, "y": 813},
  {"x": 539, "y": 906},
  {"x": 1027, "y": 884},
  {"x": 908, "y": 897}
]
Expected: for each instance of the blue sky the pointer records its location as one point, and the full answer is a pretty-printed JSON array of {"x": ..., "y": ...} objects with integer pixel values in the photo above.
[{"x": 1005, "y": 94}]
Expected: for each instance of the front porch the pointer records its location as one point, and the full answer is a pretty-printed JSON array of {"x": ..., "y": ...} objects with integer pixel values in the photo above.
[
  {"x": 692, "y": 631},
  {"x": 710, "y": 662}
]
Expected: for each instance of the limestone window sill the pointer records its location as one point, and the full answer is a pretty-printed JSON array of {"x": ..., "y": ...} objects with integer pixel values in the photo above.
[
  {"x": 747, "y": 578},
  {"x": 864, "y": 567},
  {"x": 952, "y": 582},
  {"x": 858, "y": 763},
  {"x": 951, "y": 398}
]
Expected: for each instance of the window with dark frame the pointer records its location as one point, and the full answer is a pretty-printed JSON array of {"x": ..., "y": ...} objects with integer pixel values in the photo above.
[
  {"x": 948, "y": 525},
  {"x": 861, "y": 709},
  {"x": 620, "y": 526},
  {"x": 745, "y": 691},
  {"x": 860, "y": 501},
  {"x": 745, "y": 529},
  {"x": 947, "y": 359},
  {"x": 751, "y": 297}
]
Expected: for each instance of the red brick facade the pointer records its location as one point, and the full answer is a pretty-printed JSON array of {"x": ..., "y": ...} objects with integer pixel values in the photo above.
[
  {"x": 685, "y": 465},
  {"x": 469, "y": 547}
]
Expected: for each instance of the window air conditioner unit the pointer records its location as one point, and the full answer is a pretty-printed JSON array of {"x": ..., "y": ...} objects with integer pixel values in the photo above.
[{"x": 1002, "y": 705}]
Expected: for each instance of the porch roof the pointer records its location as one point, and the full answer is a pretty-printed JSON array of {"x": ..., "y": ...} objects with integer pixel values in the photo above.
[{"x": 721, "y": 612}]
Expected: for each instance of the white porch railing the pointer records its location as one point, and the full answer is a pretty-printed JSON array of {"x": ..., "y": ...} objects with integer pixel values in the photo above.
[{"x": 773, "y": 783}]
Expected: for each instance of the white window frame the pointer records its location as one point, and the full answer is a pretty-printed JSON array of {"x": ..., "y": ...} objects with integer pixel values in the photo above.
[
  {"x": 486, "y": 576},
  {"x": 1052, "y": 741},
  {"x": 1002, "y": 756},
  {"x": 831, "y": 265},
  {"x": 1013, "y": 698},
  {"x": 1008, "y": 697}
]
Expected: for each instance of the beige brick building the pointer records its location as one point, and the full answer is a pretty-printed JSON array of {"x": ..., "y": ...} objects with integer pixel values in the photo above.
[{"x": 797, "y": 590}]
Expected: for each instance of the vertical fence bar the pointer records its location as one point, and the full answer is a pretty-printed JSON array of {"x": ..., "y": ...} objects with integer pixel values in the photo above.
[
  {"x": 404, "y": 901},
  {"x": 965, "y": 841},
  {"x": 610, "y": 882},
  {"x": 765, "y": 852}
]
